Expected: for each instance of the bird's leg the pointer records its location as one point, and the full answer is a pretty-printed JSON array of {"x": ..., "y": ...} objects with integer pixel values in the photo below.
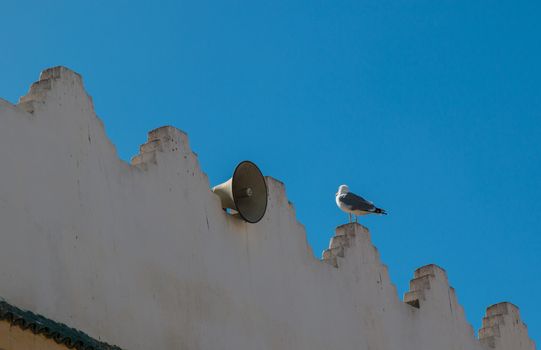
[
  {"x": 349, "y": 217},
  {"x": 356, "y": 221}
]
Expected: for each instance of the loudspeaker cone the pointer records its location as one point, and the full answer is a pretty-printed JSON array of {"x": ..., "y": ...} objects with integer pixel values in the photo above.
[{"x": 246, "y": 192}]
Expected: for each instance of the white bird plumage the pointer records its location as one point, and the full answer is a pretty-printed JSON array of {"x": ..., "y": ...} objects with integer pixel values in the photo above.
[{"x": 354, "y": 204}]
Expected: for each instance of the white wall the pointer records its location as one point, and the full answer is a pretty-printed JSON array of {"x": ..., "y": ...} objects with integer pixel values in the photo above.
[{"x": 143, "y": 256}]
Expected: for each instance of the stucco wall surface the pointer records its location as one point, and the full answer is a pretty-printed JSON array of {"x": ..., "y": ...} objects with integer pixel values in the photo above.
[
  {"x": 142, "y": 255},
  {"x": 14, "y": 338}
]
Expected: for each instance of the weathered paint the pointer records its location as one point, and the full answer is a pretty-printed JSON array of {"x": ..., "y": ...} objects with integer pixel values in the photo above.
[{"x": 142, "y": 255}]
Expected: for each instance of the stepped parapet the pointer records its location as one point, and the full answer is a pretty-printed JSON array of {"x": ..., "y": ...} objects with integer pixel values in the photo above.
[{"x": 142, "y": 254}]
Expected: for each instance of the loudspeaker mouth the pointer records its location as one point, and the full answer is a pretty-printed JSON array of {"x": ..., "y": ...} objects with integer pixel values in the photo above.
[{"x": 245, "y": 192}]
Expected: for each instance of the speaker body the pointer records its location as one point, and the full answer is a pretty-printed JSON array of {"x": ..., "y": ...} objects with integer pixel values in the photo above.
[{"x": 246, "y": 192}]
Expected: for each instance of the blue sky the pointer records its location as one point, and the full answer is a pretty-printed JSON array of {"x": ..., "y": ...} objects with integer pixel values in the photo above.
[{"x": 432, "y": 109}]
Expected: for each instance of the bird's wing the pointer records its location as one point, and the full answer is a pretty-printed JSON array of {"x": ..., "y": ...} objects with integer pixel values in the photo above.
[{"x": 355, "y": 202}]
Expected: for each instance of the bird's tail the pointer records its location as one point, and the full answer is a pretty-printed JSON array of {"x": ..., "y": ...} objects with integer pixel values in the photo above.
[{"x": 380, "y": 211}]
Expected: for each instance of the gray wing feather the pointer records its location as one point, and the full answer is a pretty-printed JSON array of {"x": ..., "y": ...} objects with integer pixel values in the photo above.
[{"x": 355, "y": 202}]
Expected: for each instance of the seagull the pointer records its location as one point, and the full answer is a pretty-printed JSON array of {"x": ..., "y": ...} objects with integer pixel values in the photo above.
[{"x": 356, "y": 205}]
